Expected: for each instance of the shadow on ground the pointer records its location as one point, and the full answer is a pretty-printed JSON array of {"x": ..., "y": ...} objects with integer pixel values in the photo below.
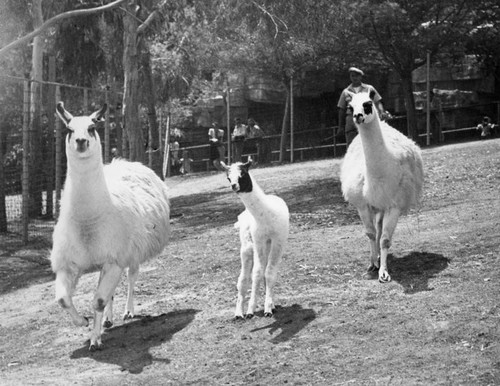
[
  {"x": 23, "y": 265},
  {"x": 290, "y": 320},
  {"x": 128, "y": 345},
  {"x": 414, "y": 270}
]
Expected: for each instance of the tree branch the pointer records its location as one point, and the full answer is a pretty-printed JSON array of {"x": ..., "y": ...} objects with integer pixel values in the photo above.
[{"x": 56, "y": 19}]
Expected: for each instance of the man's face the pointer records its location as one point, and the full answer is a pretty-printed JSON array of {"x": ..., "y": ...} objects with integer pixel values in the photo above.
[{"x": 355, "y": 77}]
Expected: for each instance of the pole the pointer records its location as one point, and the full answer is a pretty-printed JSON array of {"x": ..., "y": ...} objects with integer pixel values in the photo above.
[
  {"x": 26, "y": 143},
  {"x": 291, "y": 120},
  {"x": 428, "y": 98},
  {"x": 107, "y": 128},
  {"x": 58, "y": 141},
  {"x": 228, "y": 112}
]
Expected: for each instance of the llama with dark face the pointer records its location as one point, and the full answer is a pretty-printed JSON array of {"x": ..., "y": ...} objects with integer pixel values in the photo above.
[
  {"x": 263, "y": 229},
  {"x": 112, "y": 217},
  {"x": 382, "y": 176}
]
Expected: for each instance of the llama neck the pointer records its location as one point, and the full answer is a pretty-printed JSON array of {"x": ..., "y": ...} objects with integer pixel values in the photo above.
[
  {"x": 374, "y": 147},
  {"x": 87, "y": 188},
  {"x": 254, "y": 201}
]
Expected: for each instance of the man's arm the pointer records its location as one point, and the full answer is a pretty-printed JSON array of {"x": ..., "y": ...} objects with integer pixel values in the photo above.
[{"x": 341, "y": 120}]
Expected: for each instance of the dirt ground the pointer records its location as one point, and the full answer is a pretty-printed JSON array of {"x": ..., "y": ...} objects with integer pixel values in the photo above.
[{"x": 436, "y": 323}]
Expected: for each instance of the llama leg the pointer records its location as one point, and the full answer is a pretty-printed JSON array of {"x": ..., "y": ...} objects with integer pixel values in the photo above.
[
  {"x": 367, "y": 217},
  {"x": 389, "y": 225},
  {"x": 246, "y": 254},
  {"x": 110, "y": 277},
  {"x": 108, "y": 310},
  {"x": 132, "y": 274},
  {"x": 108, "y": 314},
  {"x": 271, "y": 275},
  {"x": 259, "y": 262},
  {"x": 65, "y": 285}
]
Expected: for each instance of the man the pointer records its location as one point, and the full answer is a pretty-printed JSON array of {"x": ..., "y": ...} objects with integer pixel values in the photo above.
[
  {"x": 217, "y": 149},
  {"x": 346, "y": 123}
]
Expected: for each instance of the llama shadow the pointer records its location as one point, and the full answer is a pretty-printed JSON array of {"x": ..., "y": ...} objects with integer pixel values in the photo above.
[
  {"x": 128, "y": 345},
  {"x": 290, "y": 320},
  {"x": 414, "y": 270}
]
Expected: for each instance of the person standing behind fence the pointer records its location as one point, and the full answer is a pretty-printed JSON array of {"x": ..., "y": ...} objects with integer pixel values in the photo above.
[
  {"x": 257, "y": 135},
  {"x": 217, "y": 149},
  {"x": 346, "y": 123},
  {"x": 239, "y": 135},
  {"x": 486, "y": 128}
]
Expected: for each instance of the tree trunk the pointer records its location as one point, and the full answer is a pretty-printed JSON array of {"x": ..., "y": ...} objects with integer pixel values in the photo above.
[
  {"x": 3, "y": 210},
  {"x": 150, "y": 96},
  {"x": 35, "y": 153},
  {"x": 131, "y": 120},
  {"x": 284, "y": 127},
  {"x": 407, "y": 86}
]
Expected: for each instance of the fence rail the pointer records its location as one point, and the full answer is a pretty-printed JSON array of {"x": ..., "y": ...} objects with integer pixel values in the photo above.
[{"x": 32, "y": 157}]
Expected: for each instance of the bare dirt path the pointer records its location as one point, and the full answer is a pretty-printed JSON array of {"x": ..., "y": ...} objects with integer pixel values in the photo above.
[{"x": 436, "y": 323}]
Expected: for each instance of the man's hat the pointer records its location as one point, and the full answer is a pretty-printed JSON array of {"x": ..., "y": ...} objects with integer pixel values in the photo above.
[{"x": 355, "y": 69}]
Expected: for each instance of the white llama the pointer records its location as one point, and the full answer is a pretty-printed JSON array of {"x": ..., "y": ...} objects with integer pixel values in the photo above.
[
  {"x": 382, "y": 176},
  {"x": 263, "y": 235},
  {"x": 112, "y": 217}
]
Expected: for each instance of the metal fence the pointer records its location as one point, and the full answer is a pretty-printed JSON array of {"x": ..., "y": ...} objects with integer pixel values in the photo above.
[
  {"x": 31, "y": 148},
  {"x": 33, "y": 159}
]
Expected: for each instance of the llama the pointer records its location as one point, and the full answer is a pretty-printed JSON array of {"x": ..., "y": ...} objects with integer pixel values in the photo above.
[
  {"x": 382, "y": 176},
  {"x": 112, "y": 217},
  {"x": 263, "y": 228}
]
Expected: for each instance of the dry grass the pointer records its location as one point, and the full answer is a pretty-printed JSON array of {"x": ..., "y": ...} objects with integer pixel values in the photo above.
[{"x": 436, "y": 323}]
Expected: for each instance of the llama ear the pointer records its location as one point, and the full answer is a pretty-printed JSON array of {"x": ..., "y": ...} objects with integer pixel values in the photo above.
[
  {"x": 98, "y": 116},
  {"x": 64, "y": 115},
  {"x": 247, "y": 164}
]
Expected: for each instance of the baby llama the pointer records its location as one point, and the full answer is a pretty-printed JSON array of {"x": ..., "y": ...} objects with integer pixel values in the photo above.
[
  {"x": 382, "y": 176},
  {"x": 263, "y": 235},
  {"x": 112, "y": 217}
]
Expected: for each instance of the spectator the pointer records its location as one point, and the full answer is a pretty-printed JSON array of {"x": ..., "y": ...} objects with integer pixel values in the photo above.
[
  {"x": 486, "y": 128},
  {"x": 257, "y": 136},
  {"x": 185, "y": 162},
  {"x": 346, "y": 123},
  {"x": 175, "y": 163},
  {"x": 239, "y": 135},
  {"x": 217, "y": 149}
]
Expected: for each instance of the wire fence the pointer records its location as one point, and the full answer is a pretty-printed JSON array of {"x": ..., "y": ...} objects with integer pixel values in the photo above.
[{"x": 33, "y": 161}]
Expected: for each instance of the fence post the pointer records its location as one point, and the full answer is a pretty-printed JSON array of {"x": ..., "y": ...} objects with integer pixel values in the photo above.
[
  {"x": 26, "y": 143},
  {"x": 291, "y": 120},
  {"x": 107, "y": 126},
  {"x": 85, "y": 101},
  {"x": 58, "y": 141}
]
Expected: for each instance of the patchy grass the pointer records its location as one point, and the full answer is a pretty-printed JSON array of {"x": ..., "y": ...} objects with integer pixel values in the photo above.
[{"x": 436, "y": 323}]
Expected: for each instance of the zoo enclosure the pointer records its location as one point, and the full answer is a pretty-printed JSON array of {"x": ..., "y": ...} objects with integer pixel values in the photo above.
[
  {"x": 32, "y": 150},
  {"x": 31, "y": 181}
]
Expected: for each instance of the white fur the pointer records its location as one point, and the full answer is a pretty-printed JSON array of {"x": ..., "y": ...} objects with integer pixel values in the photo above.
[
  {"x": 112, "y": 217},
  {"x": 264, "y": 229},
  {"x": 382, "y": 176}
]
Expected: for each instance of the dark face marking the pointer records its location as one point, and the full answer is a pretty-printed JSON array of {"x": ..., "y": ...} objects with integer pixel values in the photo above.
[
  {"x": 245, "y": 182},
  {"x": 368, "y": 107}
]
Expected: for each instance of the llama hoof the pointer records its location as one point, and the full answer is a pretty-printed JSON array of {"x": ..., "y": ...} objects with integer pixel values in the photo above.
[
  {"x": 107, "y": 324},
  {"x": 384, "y": 277},
  {"x": 248, "y": 316},
  {"x": 238, "y": 318},
  {"x": 127, "y": 315},
  {"x": 96, "y": 347},
  {"x": 372, "y": 268},
  {"x": 268, "y": 314}
]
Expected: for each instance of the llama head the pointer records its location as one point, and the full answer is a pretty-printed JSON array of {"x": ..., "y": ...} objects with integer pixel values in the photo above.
[
  {"x": 82, "y": 140},
  {"x": 363, "y": 108},
  {"x": 238, "y": 176}
]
